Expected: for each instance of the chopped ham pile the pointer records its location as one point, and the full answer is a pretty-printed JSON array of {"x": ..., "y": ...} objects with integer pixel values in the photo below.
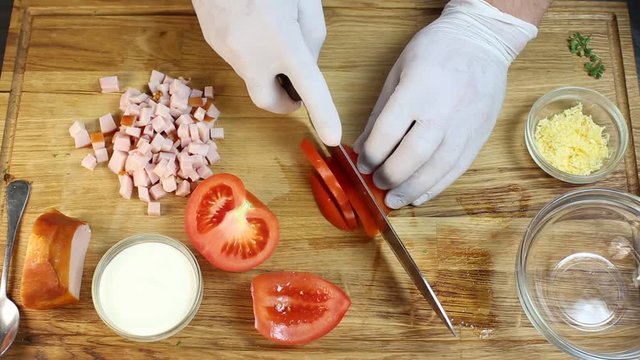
[{"x": 165, "y": 141}]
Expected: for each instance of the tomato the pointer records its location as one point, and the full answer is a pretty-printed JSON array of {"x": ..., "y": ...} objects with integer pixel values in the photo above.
[
  {"x": 229, "y": 226},
  {"x": 296, "y": 308},
  {"x": 368, "y": 178},
  {"x": 318, "y": 163},
  {"x": 325, "y": 202}
]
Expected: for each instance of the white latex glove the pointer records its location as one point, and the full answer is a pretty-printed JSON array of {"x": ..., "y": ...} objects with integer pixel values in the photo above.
[
  {"x": 446, "y": 89},
  {"x": 261, "y": 39}
]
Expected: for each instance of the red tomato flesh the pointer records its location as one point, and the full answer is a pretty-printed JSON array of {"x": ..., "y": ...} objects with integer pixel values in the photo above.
[
  {"x": 231, "y": 228},
  {"x": 325, "y": 202},
  {"x": 295, "y": 308}
]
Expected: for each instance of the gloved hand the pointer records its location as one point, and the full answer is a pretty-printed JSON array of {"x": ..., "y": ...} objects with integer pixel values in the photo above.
[
  {"x": 261, "y": 39},
  {"x": 440, "y": 101}
]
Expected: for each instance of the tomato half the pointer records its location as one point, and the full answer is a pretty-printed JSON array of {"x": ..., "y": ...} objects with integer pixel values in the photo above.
[
  {"x": 318, "y": 163},
  {"x": 325, "y": 202},
  {"x": 296, "y": 308},
  {"x": 230, "y": 227}
]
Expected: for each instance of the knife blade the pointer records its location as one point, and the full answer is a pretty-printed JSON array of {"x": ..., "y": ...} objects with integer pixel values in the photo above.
[
  {"x": 387, "y": 231},
  {"x": 390, "y": 236}
]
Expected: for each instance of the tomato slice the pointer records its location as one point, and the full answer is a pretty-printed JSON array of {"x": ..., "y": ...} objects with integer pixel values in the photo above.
[
  {"x": 378, "y": 194},
  {"x": 296, "y": 308},
  {"x": 318, "y": 163},
  {"x": 231, "y": 228},
  {"x": 325, "y": 202},
  {"x": 359, "y": 206}
]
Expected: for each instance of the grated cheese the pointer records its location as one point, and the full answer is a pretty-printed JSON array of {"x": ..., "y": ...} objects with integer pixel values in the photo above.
[{"x": 571, "y": 142}]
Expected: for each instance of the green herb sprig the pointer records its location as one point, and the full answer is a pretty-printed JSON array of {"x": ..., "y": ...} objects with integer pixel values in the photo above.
[{"x": 579, "y": 45}]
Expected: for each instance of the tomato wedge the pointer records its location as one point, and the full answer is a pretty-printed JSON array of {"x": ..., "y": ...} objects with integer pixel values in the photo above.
[
  {"x": 229, "y": 226},
  {"x": 295, "y": 308},
  {"x": 318, "y": 163},
  {"x": 325, "y": 202}
]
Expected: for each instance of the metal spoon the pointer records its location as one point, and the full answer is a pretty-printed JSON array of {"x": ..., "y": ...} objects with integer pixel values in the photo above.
[{"x": 17, "y": 196}]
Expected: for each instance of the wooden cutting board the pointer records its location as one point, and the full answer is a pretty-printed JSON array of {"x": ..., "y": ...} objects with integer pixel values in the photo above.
[{"x": 465, "y": 241}]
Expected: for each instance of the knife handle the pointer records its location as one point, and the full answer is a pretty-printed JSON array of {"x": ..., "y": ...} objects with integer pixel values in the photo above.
[{"x": 286, "y": 84}]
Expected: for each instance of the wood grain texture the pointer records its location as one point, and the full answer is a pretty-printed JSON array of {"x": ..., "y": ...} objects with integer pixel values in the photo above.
[{"x": 465, "y": 241}]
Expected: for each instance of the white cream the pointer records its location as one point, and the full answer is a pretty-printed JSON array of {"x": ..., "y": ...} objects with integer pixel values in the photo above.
[{"x": 148, "y": 289}]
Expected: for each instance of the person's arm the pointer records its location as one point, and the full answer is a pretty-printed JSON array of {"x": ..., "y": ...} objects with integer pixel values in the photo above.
[{"x": 530, "y": 11}]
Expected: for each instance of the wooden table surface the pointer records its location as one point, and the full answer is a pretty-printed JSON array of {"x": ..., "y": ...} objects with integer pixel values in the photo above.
[{"x": 465, "y": 241}]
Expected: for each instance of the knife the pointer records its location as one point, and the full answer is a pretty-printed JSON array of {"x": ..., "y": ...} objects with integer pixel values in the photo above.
[{"x": 387, "y": 231}]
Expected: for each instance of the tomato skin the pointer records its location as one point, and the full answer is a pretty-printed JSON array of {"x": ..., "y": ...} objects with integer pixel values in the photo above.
[
  {"x": 319, "y": 164},
  {"x": 295, "y": 308},
  {"x": 368, "y": 178},
  {"x": 325, "y": 202},
  {"x": 229, "y": 226}
]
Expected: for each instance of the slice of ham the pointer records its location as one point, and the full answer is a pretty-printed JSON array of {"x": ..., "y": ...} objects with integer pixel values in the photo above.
[
  {"x": 54, "y": 261},
  {"x": 109, "y": 84}
]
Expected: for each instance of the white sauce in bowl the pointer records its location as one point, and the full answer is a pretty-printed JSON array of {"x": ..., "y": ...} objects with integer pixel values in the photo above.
[{"x": 148, "y": 289}]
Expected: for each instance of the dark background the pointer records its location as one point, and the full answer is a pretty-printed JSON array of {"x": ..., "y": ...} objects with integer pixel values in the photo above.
[{"x": 634, "y": 11}]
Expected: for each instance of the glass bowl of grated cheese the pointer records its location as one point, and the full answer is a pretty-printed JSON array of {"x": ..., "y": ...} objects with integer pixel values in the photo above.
[{"x": 576, "y": 135}]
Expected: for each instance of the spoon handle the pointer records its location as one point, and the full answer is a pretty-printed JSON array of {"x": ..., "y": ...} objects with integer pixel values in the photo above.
[{"x": 17, "y": 196}]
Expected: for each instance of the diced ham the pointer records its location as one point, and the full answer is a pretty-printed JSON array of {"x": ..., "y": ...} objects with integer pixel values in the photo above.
[
  {"x": 175, "y": 146},
  {"x": 139, "y": 99},
  {"x": 109, "y": 84},
  {"x": 160, "y": 167},
  {"x": 198, "y": 161},
  {"x": 169, "y": 183},
  {"x": 174, "y": 112},
  {"x": 196, "y": 101},
  {"x": 170, "y": 127},
  {"x": 157, "y": 142},
  {"x": 75, "y": 128},
  {"x": 117, "y": 161},
  {"x": 208, "y": 92},
  {"x": 203, "y": 131},
  {"x": 177, "y": 87},
  {"x": 135, "y": 162},
  {"x": 166, "y": 145},
  {"x": 89, "y": 162},
  {"x": 217, "y": 133},
  {"x": 132, "y": 109},
  {"x": 145, "y": 117},
  {"x": 122, "y": 142},
  {"x": 195, "y": 93},
  {"x": 148, "y": 130},
  {"x": 204, "y": 172},
  {"x": 134, "y": 131},
  {"x": 140, "y": 178},
  {"x": 143, "y": 194},
  {"x": 153, "y": 178},
  {"x": 153, "y": 208},
  {"x": 185, "y": 142},
  {"x": 198, "y": 149},
  {"x": 144, "y": 148},
  {"x": 192, "y": 175},
  {"x": 183, "y": 131},
  {"x": 127, "y": 120},
  {"x": 184, "y": 189},
  {"x": 156, "y": 77},
  {"x": 81, "y": 139},
  {"x": 163, "y": 110},
  {"x": 184, "y": 119},
  {"x": 212, "y": 154},
  {"x": 213, "y": 112},
  {"x": 157, "y": 192},
  {"x": 107, "y": 125},
  {"x": 158, "y": 123},
  {"x": 101, "y": 155},
  {"x": 199, "y": 114},
  {"x": 167, "y": 156},
  {"x": 194, "y": 133},
  {"x": 153, "y": 87},
  {"x": 97, "y": 140},
  {"x": 126, "y": 186}
]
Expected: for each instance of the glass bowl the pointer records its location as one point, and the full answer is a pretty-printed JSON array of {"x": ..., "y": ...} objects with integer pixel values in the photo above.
[
  {"x": 603, "y": 112},
  {"x": 156, "y": 311},
  {"x": 577, "y": 273}
]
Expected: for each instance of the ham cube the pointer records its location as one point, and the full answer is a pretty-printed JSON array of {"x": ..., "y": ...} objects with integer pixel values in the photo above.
[
  {"x": 175, "y": 112},
  {"x": 192, "y": 175},
  {"x": 167, "y": 80},
  {"x": 153, "y": 178},
  {"x": 101, "y": 155},
  {"x": 126, "y": 186},
  {"x": 127, "y": 121},
  {"x": 175, "y": 146},
  {"x": 75, "y": 128},
  {"x": 153, "y": 208},
  {"x": 212, "y": 154},
  {"x": 143, "y": 194},
  {"x": 203, "y": 131},
  {"x": 140, "y": 178},
  {"x": 144, "y": 118},
  {"x": 170, "y": 157},
  {"x": 217, "y": 133},
  {"x": 157, "y": 192},
  {"x": 160, "y": 167},
  {"x": 152, "y": 105},
  {"x": 156, "y": 77},
  {"x": 183, "y": 131},
  {"x": 198, "y": 149},
  {"x": 170, "y": 127},
  {"x": 169, "y": 183},
  {"x": 208, "y": 92},
  {"x": 185, "y": 142},
  {"x": 178, "y": 88},
  {"x": 89, "y": 162},
  {"x": 109, "y": 84},
  {"x": 132, "y": 109},
  {"x": 148, "y": 130},
  {"x": 135, "y": 132},
  {"x": 186, "y": 165},
  {"x": 184, "y": 188},
  {"x": 144, "y": 148},
  {"x": 199, "y": 114},
  {"x": 122, "y": 143},
  {"x": 194, "y": 133},
  {"x": 107, "y": 125},
  {"x": 81, "y": 139},
  {"x": 204, "y": 172},
  {"x": 198, "y": 161},
  {"x": 139, "y": 99},
  {"x": 213, "y": 112},
  {"x": 97, "y": 140},
  {"x": 153, "y": 87},
  {"x": 158, "y": 123},
  {"x": 184, "y": 119},
  {"x": 164, "y": 89},
  {"x": 164, "y": 111},
  {"x": 196, "y": 101},
  {"x": 166, "y": 145},
  {"x": 135, "y": 162},
  {"x": 157, "y": 142},
  {"x": 195, "y": 93},
  {"x": 117, "y": 161}
]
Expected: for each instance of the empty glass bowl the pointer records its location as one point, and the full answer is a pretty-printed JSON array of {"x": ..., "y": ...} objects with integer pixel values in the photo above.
[
  {"x": 577, "y": 273},
  {"x": 603, "y": 113}
]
